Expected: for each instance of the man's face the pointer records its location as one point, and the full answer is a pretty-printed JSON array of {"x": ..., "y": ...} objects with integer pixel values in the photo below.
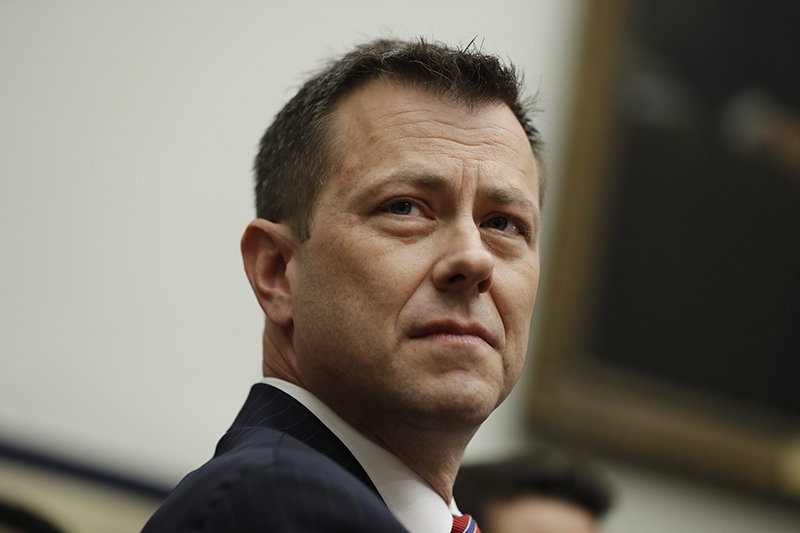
[
  {"x": 413, "y": 297},
  {"x": 535, "y": 514}
]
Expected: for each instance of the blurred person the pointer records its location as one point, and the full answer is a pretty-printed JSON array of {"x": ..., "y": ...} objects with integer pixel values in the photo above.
[
  {"x": 395, "y": 255},
  {"x": 546, "y": 491}
]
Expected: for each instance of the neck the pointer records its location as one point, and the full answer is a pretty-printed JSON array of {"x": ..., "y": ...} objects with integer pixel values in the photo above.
[
  {"x": 277, "y": 357},
  {"x": 434, "y": 454},
  {"x": 436, "y": 460}
]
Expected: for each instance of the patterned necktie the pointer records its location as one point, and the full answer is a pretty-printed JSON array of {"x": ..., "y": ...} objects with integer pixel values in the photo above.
[{"x": 465, "y": 524}]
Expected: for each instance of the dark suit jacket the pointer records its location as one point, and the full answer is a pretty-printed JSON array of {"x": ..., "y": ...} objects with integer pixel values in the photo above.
[{"x": 278, "y": 469}]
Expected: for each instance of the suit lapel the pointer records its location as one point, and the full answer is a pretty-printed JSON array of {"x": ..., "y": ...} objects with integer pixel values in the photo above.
[{"x": 272, "y": 408}]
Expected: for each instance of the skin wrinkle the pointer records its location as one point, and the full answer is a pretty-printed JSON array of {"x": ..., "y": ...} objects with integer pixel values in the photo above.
[{"x": 481, "y": 140}]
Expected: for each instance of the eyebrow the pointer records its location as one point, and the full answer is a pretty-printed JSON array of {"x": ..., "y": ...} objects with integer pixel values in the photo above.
[
  {"x": 507, "y": 196},
  {"x": 426, "y": 182}
]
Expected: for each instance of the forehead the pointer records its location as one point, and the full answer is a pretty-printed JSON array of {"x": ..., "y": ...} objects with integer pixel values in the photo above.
[{"x": 386, "y": 124}]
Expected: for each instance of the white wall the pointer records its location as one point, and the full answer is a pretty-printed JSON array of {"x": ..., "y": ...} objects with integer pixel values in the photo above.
[
  {"x": 127, "y": 130},
  {"x": 128, "y": 333}
]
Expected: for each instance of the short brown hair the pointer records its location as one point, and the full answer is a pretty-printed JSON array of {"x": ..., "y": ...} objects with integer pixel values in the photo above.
[{"x": 295, "y": 156}]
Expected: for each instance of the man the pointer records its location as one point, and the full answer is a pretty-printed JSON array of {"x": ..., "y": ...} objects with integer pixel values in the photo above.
[
  {"x": 395, "y": 255},
  {"x": 546, "y": 491}
]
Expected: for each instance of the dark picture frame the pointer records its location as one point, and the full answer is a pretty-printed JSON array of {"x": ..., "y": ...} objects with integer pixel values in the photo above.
[{"x": 619, "y": 394}]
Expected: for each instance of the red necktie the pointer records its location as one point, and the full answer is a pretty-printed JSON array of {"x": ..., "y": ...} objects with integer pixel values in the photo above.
[{"x": 465, "y": 524}]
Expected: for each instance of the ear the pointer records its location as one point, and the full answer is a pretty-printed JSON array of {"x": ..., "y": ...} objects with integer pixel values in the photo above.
[{"x": 267, "y": 249}]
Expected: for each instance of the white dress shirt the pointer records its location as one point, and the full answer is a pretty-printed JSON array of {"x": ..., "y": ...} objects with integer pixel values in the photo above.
[{"x": 409, "y": 497}]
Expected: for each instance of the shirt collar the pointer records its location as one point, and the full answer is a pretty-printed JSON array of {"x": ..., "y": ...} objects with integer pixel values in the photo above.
[{"x": 409, "y": 497}]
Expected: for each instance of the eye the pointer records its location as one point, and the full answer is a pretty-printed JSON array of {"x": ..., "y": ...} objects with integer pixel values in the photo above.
[
  {"x": 401, "y": 208},
  {"x": 498, "y": 223},
  {"x": 507, "y": 225},
  {"x": 501, "y": 223}
]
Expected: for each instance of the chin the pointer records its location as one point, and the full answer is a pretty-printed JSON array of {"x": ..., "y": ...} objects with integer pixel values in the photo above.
[{"x": 464, "y": 407}]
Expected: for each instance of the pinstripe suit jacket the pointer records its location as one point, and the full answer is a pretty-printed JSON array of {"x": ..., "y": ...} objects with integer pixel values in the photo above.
[{"x": 278, "y": 469}]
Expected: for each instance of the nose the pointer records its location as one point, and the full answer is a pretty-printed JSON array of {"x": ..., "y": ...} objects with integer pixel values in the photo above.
[{"x": 464, "y": 264}]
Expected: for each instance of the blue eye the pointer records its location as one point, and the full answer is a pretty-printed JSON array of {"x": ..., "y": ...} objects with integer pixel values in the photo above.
[{"x": 401, "y": 208}]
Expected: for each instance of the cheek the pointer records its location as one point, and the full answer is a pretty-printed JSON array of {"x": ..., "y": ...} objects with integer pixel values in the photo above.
[
  {"x": 367, "y": 277},
  {"x": 387, "y": 267},
  {"x": 515, "y": 295}
]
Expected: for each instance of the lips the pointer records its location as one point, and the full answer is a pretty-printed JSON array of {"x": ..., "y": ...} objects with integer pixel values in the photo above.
[{"x": 454, "y": 328}]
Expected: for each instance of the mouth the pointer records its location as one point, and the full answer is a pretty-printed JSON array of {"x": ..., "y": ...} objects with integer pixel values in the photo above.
[{"x": 454, "y": 331}]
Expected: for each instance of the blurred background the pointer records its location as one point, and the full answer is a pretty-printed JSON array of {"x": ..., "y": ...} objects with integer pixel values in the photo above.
[{"x": 127, "y": 134}]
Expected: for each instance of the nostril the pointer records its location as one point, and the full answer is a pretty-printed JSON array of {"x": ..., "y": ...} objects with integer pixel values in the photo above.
[
  {"x": 485, "y": 285},
  {"x": 452, "y": 280}
]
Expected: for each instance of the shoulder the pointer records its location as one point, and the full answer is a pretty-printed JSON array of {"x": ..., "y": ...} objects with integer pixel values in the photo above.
[{"x": 269, "y": 481}]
